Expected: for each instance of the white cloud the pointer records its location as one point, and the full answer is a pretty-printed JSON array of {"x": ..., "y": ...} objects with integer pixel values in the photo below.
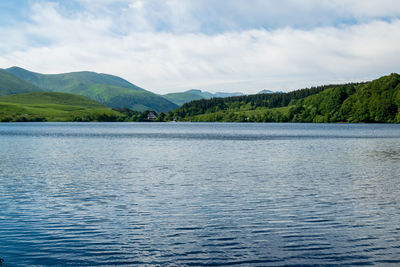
[
  {"x": 244, "y": 60},
  {"x": 226, "y": 15},
  {"x": 367, "y": 8}
]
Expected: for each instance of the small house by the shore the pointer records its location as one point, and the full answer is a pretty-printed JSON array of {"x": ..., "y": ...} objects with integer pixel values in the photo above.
[{"x": 151, "y": 116}]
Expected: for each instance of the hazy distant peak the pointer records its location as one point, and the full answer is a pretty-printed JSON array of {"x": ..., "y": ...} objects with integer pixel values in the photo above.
[
  {"x": 265, "y": 91},
  {"x": 227, "y": 94},
  {"x": 206, "y": 94}
]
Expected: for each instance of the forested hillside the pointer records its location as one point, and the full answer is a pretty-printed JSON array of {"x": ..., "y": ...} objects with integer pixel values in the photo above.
[{"x": 376, "y": 101}]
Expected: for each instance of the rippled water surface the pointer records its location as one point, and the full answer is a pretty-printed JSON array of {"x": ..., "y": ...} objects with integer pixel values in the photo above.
[{"x": 199, "y": 194}]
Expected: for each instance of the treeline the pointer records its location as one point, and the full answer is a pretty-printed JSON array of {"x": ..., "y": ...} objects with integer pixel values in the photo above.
[
  {"x": 376, "y": 101},
  {"x": 121, "y": 115},
  {"x": 22, "y": 118},
  {"x": 249, "y": 101}
]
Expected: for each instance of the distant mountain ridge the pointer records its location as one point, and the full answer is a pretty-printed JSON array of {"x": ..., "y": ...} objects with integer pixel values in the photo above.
[
  {"x": 208, "y": 95},
  {"x": 109, "y": 90},
  {"x": 66, "y": 81},
  {"x": 265, "y": 91},
  {"x": 225, "y": 94},
  {"x": 196, "y": 94},
  {"x": 182, "y": 98}
]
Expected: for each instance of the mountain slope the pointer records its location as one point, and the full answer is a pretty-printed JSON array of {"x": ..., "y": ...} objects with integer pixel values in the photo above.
[
  {"x": 65, "y": 82},
  {"x": 9, "y": 84},
  {"x": 107, "y": 89},
  {"x": 265, "y": 91},
  {"x": 203, "y": 94},
  {"x": 208, "y": 95},
  {"x": 376, "y": 101},
  {"x": 182, "y": 98},
  {"x": 225, "y": 94},
  {"x": 52, "y": 106}
]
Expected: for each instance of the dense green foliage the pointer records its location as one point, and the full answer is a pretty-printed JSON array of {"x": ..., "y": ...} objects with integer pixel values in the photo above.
[
  {"x": 376, "y": 101},
  {"x": 129, "y": 115},
  {"x": 109, "y": 90},
  {"x": 52, "y": 106},
  {"x": 246, "y": 102},
  {"x": 9, "y": 85}
]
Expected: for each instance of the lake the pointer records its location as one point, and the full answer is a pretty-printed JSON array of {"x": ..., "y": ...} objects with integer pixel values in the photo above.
[{"x": 202, "y": 194}]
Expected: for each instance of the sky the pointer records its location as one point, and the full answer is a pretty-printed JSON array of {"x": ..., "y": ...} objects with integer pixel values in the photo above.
[{"x": 226, "y": 45}]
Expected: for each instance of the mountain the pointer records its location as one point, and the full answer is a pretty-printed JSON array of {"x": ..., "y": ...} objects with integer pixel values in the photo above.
[
  {"x": 224, "y": 94},
  {"x": 109, "y": 90},
  {"x": 182, "y": 98},
  {"x": 268, "y": 92},
  {"x": 195, "y": 94},
  {"x": 69, "y": 81},
  {"x": 208, "y": 95},
  {"x": 203, "y": 94},
  {"x": 376, "y": 101},
  {"x": 9, "y": 85},
  {"x": 53, "y": 106}
]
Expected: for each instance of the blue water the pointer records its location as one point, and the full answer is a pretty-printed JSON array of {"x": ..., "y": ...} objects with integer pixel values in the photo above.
[{"x": 74, "y": 194}]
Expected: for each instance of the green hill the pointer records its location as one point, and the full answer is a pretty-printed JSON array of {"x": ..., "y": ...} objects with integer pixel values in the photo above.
[
  {"x": 376, "y": 101},
  {"x": 203, "y": 94},
  {"x": 52, "y": 106},
  {"x": 109, "y": 90},
  {"x": 68, "y": 81},
  {"x": 182, "y": 98},
  {"x": 9, "y": 85}
]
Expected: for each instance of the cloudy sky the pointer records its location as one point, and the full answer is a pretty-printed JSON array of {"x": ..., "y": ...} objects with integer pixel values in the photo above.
[{"x": 225, "y": 45}]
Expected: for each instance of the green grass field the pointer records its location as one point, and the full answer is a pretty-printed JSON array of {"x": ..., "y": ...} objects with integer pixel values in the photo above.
[{"x": 51, "y": 106}]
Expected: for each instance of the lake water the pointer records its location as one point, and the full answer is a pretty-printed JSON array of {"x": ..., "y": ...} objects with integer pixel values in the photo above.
[{"x": 76, "y": 194}]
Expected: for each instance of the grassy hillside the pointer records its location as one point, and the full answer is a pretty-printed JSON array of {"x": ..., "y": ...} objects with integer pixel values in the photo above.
[
  {"x": 65, "y": 82},
  {"x": 109, "y": 90},
  {"x": 376, "y": 101},
  {"x": 120, "y": 97},
  {"x": 52, "y": 106},
  {"x": 10, "y": 84}
]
